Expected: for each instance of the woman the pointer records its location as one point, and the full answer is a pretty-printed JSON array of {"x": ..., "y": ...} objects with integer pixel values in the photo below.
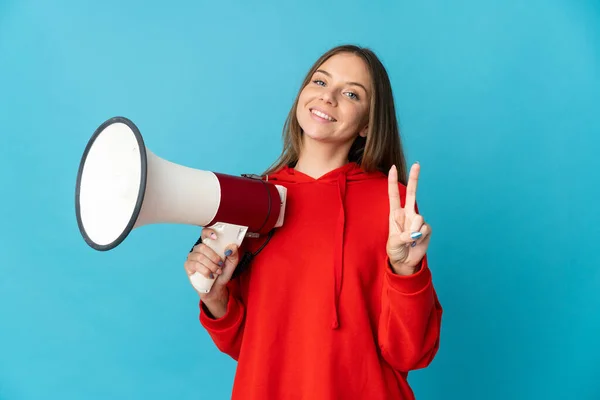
[{"x": 339, "y": 304}]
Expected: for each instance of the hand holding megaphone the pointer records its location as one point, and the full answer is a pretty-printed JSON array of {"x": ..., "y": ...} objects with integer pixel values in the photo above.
[
  {"x": 206, "y": 261},
  {"x": 121, "y": 185},
  {"x": 203, "y": 261}
]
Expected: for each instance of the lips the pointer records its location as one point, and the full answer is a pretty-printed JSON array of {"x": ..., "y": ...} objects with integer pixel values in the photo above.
[{"x": 322, "y": 114}]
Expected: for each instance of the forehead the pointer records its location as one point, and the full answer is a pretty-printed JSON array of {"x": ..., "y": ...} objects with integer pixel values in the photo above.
[{"x": 348, "y": 67}]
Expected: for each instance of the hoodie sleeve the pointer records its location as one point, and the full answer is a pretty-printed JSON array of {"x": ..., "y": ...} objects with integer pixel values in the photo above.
[
  {"x": 409, "y": 325},
  {"x": 227, "y": 331}
]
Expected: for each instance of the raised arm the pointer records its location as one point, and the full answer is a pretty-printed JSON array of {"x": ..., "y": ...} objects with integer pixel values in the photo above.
[{"x": 410, "y": 321}]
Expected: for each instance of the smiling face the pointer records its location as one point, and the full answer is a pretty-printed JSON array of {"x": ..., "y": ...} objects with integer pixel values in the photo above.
[
  {"x": 334, "y": 106},
  {"x": 308, "y": 137}
]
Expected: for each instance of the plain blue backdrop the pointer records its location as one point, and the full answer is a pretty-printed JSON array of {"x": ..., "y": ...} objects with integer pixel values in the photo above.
[{"x": 498, "y": 100}]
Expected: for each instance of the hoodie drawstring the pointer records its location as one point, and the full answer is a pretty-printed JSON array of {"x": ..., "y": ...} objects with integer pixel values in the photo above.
[
  {"x": 338, "y": 264},
  {"x": 340, "y": 178}
]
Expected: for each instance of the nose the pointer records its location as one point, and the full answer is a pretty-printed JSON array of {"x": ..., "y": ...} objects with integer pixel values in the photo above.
[{"x": 328, "y": 96}]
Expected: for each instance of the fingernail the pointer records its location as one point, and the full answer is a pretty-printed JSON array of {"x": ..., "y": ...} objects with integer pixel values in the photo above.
[
  {"x": 212, "y": 276},
  {"x": 416, "y": 162},
  {"x": 213, "y": 236},
  {"x": 220, "y": 263},
  {"x": 228, "y": 253},
  {"x": 416, "y": 235},
  {"x": 413, "y": 244}
]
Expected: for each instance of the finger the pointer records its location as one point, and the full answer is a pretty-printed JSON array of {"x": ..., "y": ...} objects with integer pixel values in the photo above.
[
  {"x": 415, "y": 227},
  {"x": 232, "y": 255},
  {"x": 207, "y": 251},
  {"x": 189, "y": 267},
  {"x": 192, "y": 267},
  {"x": 424, "y": 232},
  {"x": 208, "y": 233},
  {"x": 411, "y": 189},
  {"x": 212, "y": 263},
  {"x": 405, "y": 238},
  {"x": 397, "y": 220},
  {"x": 393, "y": 191}
]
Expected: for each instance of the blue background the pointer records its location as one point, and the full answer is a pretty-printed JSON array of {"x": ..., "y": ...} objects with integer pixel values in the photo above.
[{"x": 498, "y": 100}]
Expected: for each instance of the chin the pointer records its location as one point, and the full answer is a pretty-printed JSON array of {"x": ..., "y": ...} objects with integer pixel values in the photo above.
[
  {"x": 320, "y": 137},
  {"x": 310, "y": 133}
]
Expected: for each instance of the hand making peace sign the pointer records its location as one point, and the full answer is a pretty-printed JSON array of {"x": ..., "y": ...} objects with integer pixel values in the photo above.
[{"x": 409, "y": 235}]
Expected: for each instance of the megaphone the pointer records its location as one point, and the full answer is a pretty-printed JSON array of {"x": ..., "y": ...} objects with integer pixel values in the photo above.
[{"x": 122, "y": 185}]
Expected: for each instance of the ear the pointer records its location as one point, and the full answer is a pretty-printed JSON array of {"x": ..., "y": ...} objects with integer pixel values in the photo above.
[{"x": 363, "y": 131}]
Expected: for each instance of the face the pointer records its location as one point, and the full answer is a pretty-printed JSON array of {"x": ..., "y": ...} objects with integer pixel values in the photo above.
[{"x": 334, "y": 106}]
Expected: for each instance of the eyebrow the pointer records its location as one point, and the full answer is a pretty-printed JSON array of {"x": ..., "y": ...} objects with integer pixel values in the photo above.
[{"x": 349, "y": 83}]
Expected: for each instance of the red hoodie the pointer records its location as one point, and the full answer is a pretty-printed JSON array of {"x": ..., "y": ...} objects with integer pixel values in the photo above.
[{"x": 319, "y": 314}]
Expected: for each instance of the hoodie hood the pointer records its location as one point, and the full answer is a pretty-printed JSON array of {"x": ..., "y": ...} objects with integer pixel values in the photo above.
[{"x": 350, "y": 172}]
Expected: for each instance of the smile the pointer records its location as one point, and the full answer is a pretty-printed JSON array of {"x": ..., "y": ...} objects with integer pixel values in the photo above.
[{"x": 322, "y": 115}]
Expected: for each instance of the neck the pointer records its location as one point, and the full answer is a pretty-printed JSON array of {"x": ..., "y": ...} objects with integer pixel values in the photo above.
[{"x": 316, "y": 159}]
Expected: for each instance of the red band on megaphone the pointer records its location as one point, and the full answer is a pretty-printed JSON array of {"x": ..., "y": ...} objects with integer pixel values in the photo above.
[{"x": 248, "y": 202}]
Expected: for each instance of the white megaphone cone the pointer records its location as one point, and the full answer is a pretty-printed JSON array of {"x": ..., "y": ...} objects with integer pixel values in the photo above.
[{"x": 121, "y": 185}]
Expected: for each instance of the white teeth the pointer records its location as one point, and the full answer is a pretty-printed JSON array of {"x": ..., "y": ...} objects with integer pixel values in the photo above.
[{"x": 322, "y": 115}]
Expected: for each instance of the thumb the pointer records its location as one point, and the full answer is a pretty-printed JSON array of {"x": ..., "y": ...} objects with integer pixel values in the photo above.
[
  {"x": 399, "y": 240},
  {"x": 232, "y": 255}
]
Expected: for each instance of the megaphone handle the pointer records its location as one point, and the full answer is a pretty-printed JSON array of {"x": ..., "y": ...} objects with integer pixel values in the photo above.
[{"x": 226, "y": 234}]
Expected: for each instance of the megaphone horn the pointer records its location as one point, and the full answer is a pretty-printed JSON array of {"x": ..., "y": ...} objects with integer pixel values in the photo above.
[{"x": 121, "y": 185}]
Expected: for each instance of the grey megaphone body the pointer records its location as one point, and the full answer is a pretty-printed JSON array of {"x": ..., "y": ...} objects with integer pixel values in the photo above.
[{"x": 121, "y": 185}]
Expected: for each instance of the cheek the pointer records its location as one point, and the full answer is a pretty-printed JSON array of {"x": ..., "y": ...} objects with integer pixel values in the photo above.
[
  {"x": 300, "y": 112},
  {"x": 299, "y": 108},
  {"x": 301, "y": 101},
  {"x": 356, "y": 114},
  {"x": 305, "y": 95}
]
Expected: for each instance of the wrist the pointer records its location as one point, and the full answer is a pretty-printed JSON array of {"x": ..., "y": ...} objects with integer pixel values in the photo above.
[
  {"x": 218, "y": 296},
  {"x": 404, "y": 269}
]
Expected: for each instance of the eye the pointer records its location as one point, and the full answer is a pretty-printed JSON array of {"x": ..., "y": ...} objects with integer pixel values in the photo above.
[
  {"x": 352, "y": 95},
  {"x": 319, "y": 82}
]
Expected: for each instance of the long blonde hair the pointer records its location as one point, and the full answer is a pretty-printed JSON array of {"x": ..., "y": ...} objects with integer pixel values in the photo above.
[{"x": 382, "y": 147}]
